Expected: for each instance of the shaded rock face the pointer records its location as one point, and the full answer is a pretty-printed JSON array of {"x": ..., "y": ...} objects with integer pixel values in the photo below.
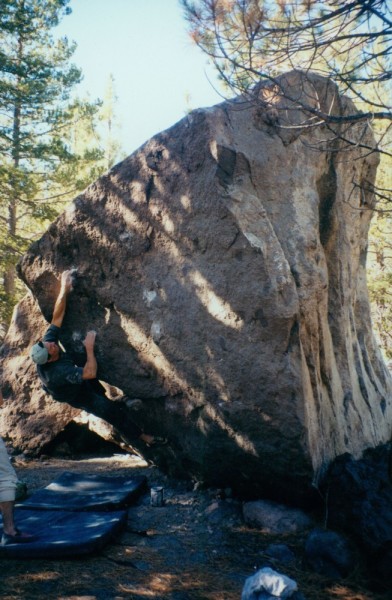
[
  {"x": 29, "y": 419},
  {"x": 223, "y": 267},
  {"x": 359, "y": 499}
]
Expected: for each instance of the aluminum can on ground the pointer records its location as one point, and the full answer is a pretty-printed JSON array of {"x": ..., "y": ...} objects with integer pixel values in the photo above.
[{"x": 156, "y": 494}]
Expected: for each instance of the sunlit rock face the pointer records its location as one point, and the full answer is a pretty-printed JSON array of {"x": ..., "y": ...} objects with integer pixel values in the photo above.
[{"x": 223, "y": 267}]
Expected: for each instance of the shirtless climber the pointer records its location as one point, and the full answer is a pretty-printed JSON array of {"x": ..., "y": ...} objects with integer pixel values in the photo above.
[{"x": 78, "y": 386}]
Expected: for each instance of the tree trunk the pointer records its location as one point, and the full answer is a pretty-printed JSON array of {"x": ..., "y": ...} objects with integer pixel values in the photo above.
[{"x": 10, "y": 274}]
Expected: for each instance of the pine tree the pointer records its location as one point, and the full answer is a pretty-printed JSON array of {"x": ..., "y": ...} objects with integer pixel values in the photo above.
[
  {"x": 249, "y": 41},
  {"x": 108, "y": 129},
  {"x": 38, "y": 167},
  {"x": 380, "y": 262}
]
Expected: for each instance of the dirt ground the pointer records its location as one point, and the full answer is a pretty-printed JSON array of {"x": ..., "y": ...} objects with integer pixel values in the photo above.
[{"x": 195, "y": 547}]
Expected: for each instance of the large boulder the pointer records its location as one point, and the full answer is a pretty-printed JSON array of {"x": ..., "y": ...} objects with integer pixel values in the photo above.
[
  {"x": 358, "y": 497},
  {"x": 223, "y": 267}
]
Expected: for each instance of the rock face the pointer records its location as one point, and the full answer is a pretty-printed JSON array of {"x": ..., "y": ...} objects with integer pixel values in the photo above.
[
  {"x": 223, "y": 267},
  {"x": 359, "y": 499},
  {"x": 29, "y": 419}
]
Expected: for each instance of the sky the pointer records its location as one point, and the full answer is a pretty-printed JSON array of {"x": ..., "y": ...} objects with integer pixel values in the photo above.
[{"x": 159, "y": 73}]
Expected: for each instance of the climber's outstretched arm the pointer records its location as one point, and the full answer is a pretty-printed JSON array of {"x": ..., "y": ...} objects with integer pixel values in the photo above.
[{"x": 61, "y": 302}]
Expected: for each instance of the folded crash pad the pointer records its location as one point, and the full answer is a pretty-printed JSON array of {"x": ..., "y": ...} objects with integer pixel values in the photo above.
[
  {"x": 83, "y": 492},
  {"x": 64, "y": 533}
]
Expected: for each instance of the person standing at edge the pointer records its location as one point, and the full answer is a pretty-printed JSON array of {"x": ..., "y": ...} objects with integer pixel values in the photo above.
[
  {"x": 8, "y": 482},
  {"x": 78, "y": 386}
]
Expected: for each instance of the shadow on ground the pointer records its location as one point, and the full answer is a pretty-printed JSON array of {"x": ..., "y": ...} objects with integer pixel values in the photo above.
[{"x": 195, "y": 547}]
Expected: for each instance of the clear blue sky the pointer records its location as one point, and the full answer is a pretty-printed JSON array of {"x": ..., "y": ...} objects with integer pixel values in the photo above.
[{"x": 145, "y": 45}]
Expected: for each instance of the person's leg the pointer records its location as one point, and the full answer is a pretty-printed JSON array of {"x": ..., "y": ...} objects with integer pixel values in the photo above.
[
  {"x": 7, "y": 510},
  {"x": 8, "y": 481},
  {"x": 11, "y": 534},
  {"x": 111, "y": 411}
]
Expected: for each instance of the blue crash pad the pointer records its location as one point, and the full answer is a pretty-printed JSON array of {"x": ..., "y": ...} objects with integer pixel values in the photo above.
[
  {"x": 83, "y": 492},
  {"x": 62, "y": 533}
]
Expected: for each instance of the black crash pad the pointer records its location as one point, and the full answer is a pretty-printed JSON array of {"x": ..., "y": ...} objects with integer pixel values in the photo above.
[
  {"x": 64, "y": 533},
  {"x": 84, "y": 492}
]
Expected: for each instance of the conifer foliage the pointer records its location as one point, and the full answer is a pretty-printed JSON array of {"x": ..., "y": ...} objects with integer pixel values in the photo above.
[
  {"x": 350, "y": 42},
  {"x": 38, "y": 165},
  {"x": 249, "y": 41}
]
